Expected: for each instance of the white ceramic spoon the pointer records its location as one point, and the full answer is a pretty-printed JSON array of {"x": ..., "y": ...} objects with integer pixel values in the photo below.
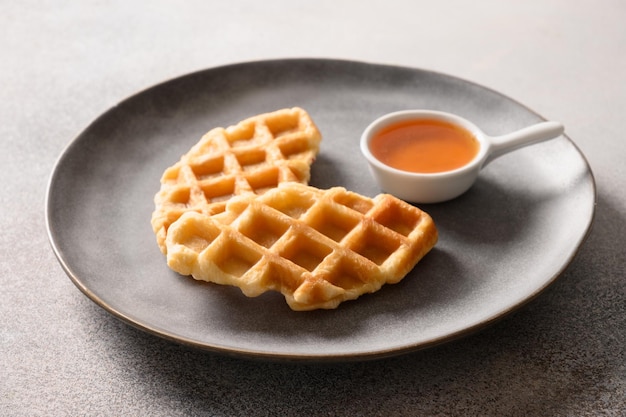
[{"x": 443, "y": 186}]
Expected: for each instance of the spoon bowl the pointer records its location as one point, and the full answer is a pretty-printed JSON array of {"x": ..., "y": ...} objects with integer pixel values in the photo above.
[{"x": 435, "y": 187}]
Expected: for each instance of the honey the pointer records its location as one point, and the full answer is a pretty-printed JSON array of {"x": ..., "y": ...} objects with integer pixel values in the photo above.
[{"x": 424, "y": 146}]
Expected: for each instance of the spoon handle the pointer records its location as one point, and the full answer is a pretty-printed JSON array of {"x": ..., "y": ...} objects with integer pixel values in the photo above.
[{"x": 530, "y": 135}]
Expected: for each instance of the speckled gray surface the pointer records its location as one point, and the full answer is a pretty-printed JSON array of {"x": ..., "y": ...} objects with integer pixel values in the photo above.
[{"x": 65, "y": 64}]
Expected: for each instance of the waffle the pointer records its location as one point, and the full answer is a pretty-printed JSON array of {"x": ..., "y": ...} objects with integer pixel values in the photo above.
[
  {"x": 317, "y": 247},
  {"x": 253, "y": 156}
]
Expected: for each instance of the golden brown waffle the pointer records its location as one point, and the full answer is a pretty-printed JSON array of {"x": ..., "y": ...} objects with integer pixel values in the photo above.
[
  {"x": 317, "y": 247},
  {"x": 253, "y": 156}
]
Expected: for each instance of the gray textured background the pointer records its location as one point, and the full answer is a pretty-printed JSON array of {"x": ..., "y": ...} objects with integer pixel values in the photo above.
[{"x": 64, "y": 63}]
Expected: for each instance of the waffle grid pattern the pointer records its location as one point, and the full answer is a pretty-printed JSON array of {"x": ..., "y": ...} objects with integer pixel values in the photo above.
[
  {"x": 317, "y": 247},
  {"x": 253, "y": 156}
]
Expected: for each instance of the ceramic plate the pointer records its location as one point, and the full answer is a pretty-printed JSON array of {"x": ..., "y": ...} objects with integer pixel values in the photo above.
[{"x": 500, "y": 245}]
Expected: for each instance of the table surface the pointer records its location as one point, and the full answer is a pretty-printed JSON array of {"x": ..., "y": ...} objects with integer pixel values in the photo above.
[{"x": 65, "y": 63}]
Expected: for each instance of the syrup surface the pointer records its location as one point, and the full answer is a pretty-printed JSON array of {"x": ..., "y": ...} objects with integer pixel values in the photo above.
[{"x": 424, "y": 146}]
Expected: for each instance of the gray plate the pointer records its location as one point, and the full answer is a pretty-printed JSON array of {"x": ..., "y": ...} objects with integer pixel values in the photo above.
[{"x": 500, "y": 244}]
